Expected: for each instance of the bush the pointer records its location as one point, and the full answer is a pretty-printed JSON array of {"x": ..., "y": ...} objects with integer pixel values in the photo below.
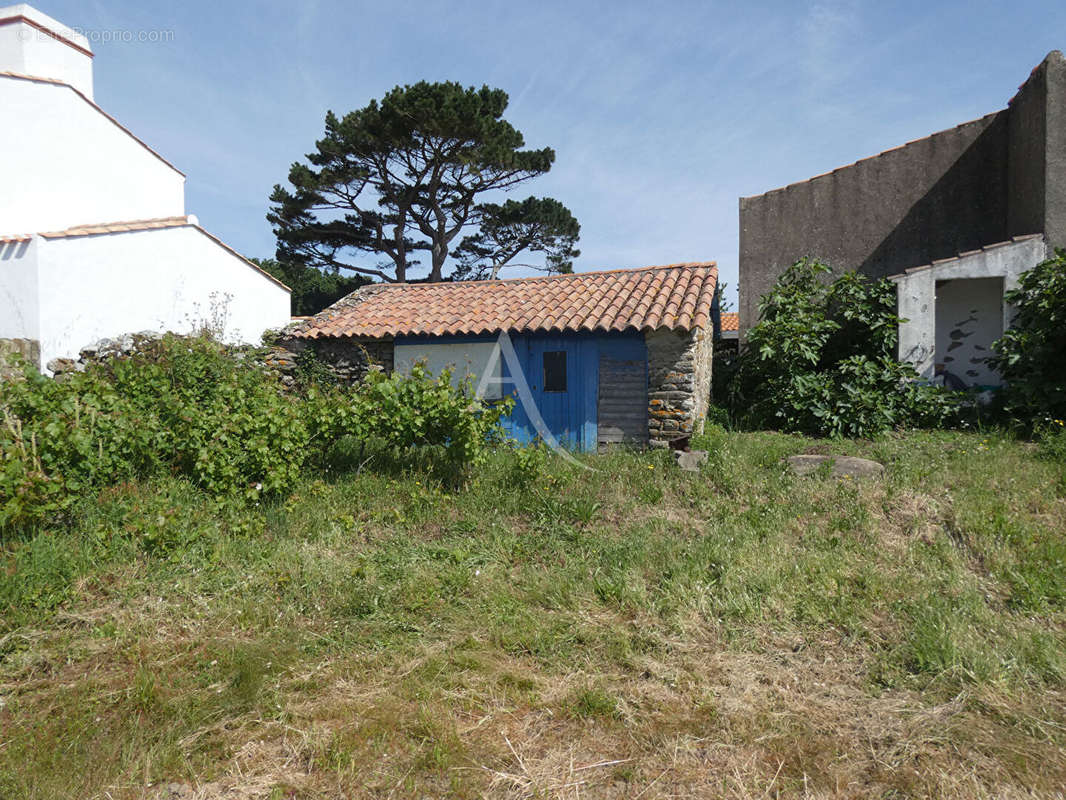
[
  {"x": 185, "y": 406},
  {"x": 419, "y": 412},
  {"x": 1029, "y": 356},
  {"x": 822, "y": 361}
]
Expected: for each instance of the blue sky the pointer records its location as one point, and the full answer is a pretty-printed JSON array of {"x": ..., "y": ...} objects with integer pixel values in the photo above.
[{"x": 661, "y": 114}]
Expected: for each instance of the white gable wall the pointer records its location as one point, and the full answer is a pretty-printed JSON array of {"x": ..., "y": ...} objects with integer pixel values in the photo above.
[
  {"x": 19, "y": 307},
  {"x": 65, "y": 163},
  {"x": 170, "y": 279},
  {"x": 47, "y": 49}
]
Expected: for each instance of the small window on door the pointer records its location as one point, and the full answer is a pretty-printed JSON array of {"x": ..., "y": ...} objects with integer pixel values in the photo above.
[{"x": 555, "y": 371}]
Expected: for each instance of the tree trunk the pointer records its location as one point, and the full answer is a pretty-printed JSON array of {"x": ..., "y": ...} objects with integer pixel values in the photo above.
[{"x": 440, "y": 253}]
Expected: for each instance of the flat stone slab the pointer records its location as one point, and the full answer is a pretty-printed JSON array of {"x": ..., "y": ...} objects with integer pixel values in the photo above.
[
  {"x": 690, "y": 460},
  {"x": 841, "y": 466}
]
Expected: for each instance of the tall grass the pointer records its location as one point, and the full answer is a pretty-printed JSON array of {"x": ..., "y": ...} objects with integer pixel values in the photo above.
[{"x": 550, "y": 630}]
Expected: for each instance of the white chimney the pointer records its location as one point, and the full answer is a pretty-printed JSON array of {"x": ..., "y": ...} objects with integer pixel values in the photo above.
[{"x": 32, "y": 43}]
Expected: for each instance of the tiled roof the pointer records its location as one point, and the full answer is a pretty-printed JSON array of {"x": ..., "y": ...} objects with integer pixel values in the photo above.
[
  {"x": 17, "y": 239},
  {"x": 121, "y": 227},
  {"x": 730, "y": 321},
  {"x": 677, "y": 297},
  {"x": 34, "y": 79}
]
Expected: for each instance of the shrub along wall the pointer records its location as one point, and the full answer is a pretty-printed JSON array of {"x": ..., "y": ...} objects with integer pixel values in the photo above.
[
  {"x": 189, "y": 406},
  {"x": 823, "y": 360}
]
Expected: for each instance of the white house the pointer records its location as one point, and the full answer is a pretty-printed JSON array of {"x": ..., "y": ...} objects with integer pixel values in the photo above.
[{"x": 94, "y": 238}]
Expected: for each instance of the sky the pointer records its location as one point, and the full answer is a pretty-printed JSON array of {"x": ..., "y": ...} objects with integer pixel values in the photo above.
[{"x": 661, "y": 114}]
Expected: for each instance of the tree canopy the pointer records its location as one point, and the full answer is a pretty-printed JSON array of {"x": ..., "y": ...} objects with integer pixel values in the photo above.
[
  {"x": 405, "y": 178},
  {"x": 313, "y": 289}
]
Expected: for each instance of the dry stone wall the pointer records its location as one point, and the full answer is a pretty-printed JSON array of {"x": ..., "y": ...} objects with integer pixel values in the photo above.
[
  {"x": 28, "y": 349},
  {"x": 679, "y": 383}
]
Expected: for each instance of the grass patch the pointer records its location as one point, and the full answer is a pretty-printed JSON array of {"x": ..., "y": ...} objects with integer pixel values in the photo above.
[{"x": 548, "y": 630}]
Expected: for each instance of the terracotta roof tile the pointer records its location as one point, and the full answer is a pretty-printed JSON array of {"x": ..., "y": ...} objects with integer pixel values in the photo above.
[
  {"x": 120, "y": 227},
  {"x": 15, "y": 239},
  {"x": 730, "y": 321},
  {"x": 677, "y": 296}
]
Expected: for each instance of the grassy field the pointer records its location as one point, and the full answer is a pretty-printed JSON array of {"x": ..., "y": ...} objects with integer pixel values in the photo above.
[{"x": 631, "y": 631}]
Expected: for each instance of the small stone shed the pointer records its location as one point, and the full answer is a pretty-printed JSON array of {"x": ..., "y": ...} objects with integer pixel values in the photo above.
[{"x": 620, "y": 356}]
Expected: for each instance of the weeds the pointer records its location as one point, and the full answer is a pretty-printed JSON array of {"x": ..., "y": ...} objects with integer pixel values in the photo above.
[{"x": 634, "y": 630}]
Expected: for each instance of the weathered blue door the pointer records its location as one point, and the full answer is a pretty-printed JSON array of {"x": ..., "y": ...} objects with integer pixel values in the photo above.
[{"x": 552, "y": 373}]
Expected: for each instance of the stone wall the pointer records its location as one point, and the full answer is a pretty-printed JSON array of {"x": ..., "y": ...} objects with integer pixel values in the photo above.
[
  {"x": 679, "y": 383},
  {"x": 28, "y": 349},
  {"x": 349, "y": 359}
]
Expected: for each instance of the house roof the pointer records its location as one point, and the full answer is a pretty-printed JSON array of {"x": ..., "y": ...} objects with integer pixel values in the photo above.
[
  {"x": 676, "y": 296},
  {"x": 132, "y": 226},
  {"x": 34, "y": 79},
  {"x": 121, "y": 227},
  {"x": 730, "y": 321}
]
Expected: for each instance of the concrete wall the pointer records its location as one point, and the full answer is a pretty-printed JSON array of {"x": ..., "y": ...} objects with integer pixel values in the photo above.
[
  {"x": 976, "y": 184},
  {"x": 969, "y": 317},
  {"x": 170, "y": 279},
  {"x": 65, "y": 163},
  {"x": 19, "y": 309},
  {"x": 927, "y": 200},
  {"x": 32, "y": 43},
  {"x": 1037, "y": 153},
  {"x": 926, "y": 318}
]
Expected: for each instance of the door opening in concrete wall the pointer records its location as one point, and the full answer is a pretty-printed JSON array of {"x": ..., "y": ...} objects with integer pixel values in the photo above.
[{"x": 969, "y": 317}]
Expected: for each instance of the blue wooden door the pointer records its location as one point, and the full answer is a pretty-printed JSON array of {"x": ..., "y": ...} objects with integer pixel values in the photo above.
[{"x": 552, "y": 374}]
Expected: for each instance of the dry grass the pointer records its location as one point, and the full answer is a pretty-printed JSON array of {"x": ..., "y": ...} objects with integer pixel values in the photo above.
[{"x": 639, "y": 633}]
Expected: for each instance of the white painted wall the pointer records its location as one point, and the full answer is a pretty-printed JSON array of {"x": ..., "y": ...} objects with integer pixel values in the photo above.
[
  {"x": 169, "y": 279},
  {"x": 65, "y": 163},
  {"x": 26, "y": 49},
  {"x": 19, "y": 309},
  {"x": 918, "y": 302},
  {"x": 465, "y": 360},
  {"x": 969, "y": 317}
]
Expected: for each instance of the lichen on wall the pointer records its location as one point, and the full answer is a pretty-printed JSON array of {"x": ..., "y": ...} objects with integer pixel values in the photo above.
[{"x": 679, "y": 380}]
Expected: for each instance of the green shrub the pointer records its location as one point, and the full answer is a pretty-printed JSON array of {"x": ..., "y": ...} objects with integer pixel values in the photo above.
[
  {"x": 1029, "y": 356},
  {"x": 822, "y": 360},
  {"x": 420, "y": 412},
  {"x": 185, "y": 406}
]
